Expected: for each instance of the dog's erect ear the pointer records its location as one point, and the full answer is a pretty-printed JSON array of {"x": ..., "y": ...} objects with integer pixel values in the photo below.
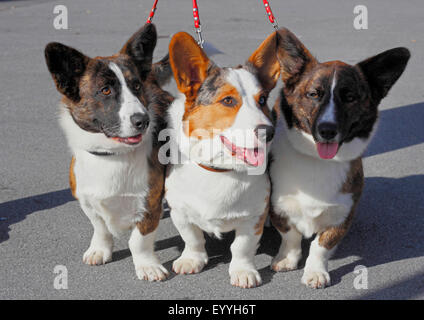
[
  {"x": 140, "y": 48},
  {"x": 265, "y": 61},
  {"x": 293, "y": 56},
  {"x": 162, "y": 71},
  {"x": 67, "y": 66},
  {"x": 383, "y": 70},
  {"x": 189, "y": 64}
]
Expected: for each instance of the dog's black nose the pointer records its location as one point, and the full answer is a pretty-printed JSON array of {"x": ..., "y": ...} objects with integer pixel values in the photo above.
[
  {"x": 327, "y": 130},
  {"x": 266, "y": 130},
  {"x": 140, "y": 120}
]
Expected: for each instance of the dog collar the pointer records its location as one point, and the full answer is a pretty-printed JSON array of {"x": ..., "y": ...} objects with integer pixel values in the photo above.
[
  {"x": 213, "y": 169},
  {"x": 101, "y": 153}
]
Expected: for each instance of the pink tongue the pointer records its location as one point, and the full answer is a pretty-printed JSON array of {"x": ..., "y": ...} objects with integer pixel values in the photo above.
[
  {"x": 254, "y": 158},
  {"x": 251, "y": 156},
  {"x": 327, "y": 150}
]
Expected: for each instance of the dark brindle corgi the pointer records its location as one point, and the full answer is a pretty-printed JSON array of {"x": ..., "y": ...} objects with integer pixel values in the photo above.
[
  {"x": 111, "y": 112},
  {"x": 328, "y": 117}
]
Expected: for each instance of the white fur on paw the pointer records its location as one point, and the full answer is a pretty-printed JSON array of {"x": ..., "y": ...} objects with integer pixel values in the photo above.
[
  {"x": 97, "y": 256},
  {"x": 245, "y": 278},
  {"x": 188, "y": 265},
  {"x": 316, "y": 279},
  {"x": 285, "y": 264},
  {"x": 151, "y": 272}
]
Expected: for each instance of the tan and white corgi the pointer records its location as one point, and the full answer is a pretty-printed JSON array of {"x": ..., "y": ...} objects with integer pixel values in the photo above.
[
  {"x": 213, "y": 190},
  {"x": 111, "y": 112},
  {"x": 328, "y": 117}
]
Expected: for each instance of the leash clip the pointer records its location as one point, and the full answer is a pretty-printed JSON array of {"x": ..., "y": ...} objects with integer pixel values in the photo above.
[
  {"x": 200, "y": 40},
  {"x": 197, "y": 26}
]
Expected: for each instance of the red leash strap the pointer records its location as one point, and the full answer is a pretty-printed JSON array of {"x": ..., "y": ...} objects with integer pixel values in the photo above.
[
  {"x": 196, "y": 18},
  {"x": 152, "y": 12},
  {"x": 197, "y": 24},
  {"x": 270, "y": 15}
]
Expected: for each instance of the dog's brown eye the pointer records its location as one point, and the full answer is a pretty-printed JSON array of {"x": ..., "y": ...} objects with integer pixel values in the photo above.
[
  {"x": 106, "y": 91},
  {"x": 262, "y": 101},
  {"x": 137, "y": 86},
  {"x": 312, "y": 94},
  {"x": 229, "y": 101}
]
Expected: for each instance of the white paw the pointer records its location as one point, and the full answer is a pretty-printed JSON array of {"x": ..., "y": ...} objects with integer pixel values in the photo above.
[
  {"x": 316, "y": 279},
  {"x": 151, "y": 272},
  {"x": 96, "y": 256},
  {"x": 283, "y": 264},
  {"x": 188, "y": 265},
  {"x": 245, "y": 278}
]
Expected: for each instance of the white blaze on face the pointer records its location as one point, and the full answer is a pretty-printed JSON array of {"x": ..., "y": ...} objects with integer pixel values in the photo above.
[
  {"x": 249, "y": 116},
  {"x": 130, "y": 104},
  {"x": 329, "y": 114}
]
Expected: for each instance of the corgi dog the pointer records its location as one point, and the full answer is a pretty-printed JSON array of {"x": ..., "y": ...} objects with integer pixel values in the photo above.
[
  {"x": 221, "y": 126},
  {"x": 111, "y": 111},
  {"x": 327, "y": 116}
]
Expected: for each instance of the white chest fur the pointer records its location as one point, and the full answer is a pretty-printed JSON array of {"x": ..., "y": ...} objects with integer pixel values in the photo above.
[
  {"x": 307, "y": 189},
  {"x": 216, "y": 201},
  {"x": 114, "y": 187}
]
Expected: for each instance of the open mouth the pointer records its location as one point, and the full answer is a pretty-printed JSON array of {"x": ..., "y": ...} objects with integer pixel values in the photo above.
[
  {"x": 129, "y": 140},
  {"x": 252, "y": 156},
  {"x": 327, "y": 150}
]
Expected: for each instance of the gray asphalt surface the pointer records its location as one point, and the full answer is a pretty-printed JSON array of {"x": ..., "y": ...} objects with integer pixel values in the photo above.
[{"x": 41, "y": 226}]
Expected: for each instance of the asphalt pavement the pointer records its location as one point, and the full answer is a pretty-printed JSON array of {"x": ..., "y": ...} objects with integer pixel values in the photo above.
[{"x": 41, "y": 226}]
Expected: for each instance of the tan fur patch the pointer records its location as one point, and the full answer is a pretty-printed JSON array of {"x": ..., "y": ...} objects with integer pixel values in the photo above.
[
  {"x": 189, "y": 64},
  {"x": 206, "y": 121},
  {"x": 154, "y": 199},
  {"x": 72, "y": 179},
  {"x": 264, "y": 59},
  {"x": 354, "y": 185}
]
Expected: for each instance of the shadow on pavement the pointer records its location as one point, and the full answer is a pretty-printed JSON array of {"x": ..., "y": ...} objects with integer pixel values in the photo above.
[
  {"x": 398, "y": 128},
  {"x": 16, "y": 210},
  {"x": 388, "y": 226},
  {"x": 409, "y": 288}
]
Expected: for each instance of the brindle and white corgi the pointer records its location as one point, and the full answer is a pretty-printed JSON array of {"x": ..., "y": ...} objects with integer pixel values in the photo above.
[
  {"x": 328, "y": 117},
  {"x": 111, "y": 112},
  {"x": 217, "y": 110}
]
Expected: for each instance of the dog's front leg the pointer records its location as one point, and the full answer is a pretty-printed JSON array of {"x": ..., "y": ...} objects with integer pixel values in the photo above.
[
  {"x": 242, "y": 270},
  {"x": 147, "y": 265},
  {"x": 290, "y": 251},
  {"x": 291, "y": 244},
  {"x": 194, "y": 256},
  {"x": 315, "y": 274},
  {"x": 100, "y": 250},
  {"x": 316, "y": 268}
]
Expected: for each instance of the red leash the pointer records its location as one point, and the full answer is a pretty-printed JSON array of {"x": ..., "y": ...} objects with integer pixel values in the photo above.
[
  {"x": 196, "y": 18},
  {"x": 198, "y": 26},
  {"x": 152, "y": 12},
  {"x": 270, "y": 15}
]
